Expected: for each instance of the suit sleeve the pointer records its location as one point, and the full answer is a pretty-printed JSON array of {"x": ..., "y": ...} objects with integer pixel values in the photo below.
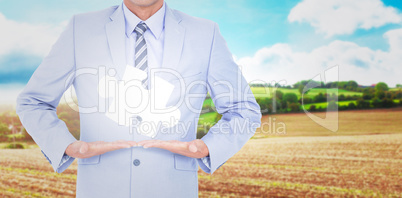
[
  {"x": 234, "y": 100},
  {"x": 36, "y": 104}
]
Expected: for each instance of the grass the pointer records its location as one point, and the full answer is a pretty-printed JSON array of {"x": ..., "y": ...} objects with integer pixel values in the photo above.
[
  {"x": 208, "y": 118},
  {"x": 26, "y": 145},
  {"x": 268, "y": 92},
  {"x": 325, "y": 104},
  {"x": 208, "y": 102},
  {"x": 260, "y": 92},
  {"x": 17, "y": 135}
]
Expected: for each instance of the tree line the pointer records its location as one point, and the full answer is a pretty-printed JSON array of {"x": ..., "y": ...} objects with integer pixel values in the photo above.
[{"x": 378, "y": 96}]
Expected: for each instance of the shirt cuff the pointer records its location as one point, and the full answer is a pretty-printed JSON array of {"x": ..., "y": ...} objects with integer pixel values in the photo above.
[
  {"x": 206, "y": 161},
  {"x": 64, "y": 163},
  {"x": 64, "y": 160}
]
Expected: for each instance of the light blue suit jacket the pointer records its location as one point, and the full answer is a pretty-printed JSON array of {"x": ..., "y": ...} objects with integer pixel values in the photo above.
[{"x": 194, "y": 48}]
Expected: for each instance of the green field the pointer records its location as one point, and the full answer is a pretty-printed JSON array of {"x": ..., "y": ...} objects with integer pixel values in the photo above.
[
  {"x": 261, "y": 92},
  {"x": 208, "y": 118},
  {"x": 340, "y": 103},
  {"x": 395, "y": 89},
  {"x": 268, "y": 92},
  {"x": 325, "y": 104}
]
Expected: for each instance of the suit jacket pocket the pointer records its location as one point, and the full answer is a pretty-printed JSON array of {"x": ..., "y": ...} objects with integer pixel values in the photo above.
[
  {"x": 182, "y": 162},
  {"x": 88, "y": 161}
]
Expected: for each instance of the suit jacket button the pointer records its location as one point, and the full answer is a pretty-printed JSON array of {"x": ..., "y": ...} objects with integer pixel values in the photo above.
[{"x": 136, "y": 162}]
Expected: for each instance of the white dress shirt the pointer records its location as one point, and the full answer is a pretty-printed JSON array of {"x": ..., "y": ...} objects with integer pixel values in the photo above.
[{"x": 154, "y": 36}]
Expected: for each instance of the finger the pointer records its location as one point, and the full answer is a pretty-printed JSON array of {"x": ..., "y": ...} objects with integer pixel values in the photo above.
[
  {"x": 141, "y": 143},
  {"x": 132, "y": 143},
  {"x": 174, "y": 146},
  {"x": 151, "y": 144},
  {"x": 107, "y": 146},
  {"x": 125, "y": 143},
  {"x": 156, "y": 144},
  {"x": 118, "y": 145}
]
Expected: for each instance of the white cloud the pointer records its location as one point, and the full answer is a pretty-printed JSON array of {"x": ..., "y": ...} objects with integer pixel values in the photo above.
[
  {"x": 395, "y": 40},
  {"x": 335, "y": 17},
  {"x": 280, "y": 62},
  {"x": 35, "y": 39}
]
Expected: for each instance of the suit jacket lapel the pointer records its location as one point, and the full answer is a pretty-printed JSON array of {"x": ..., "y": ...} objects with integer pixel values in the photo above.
[
  {"x": 115, "y": 31},
  {"x": 174, "y": 38}
]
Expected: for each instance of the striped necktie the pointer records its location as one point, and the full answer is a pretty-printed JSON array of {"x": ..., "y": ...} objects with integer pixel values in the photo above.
[{"x": 141, "y": 59}]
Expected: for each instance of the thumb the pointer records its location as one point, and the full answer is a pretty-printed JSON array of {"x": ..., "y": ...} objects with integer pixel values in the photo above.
[
  {"x": 192, "y": 147},
  {"x": 84, "y": 147}
]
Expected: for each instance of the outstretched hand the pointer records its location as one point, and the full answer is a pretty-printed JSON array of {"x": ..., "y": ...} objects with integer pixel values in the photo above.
[
  {"x": 80, "y": 149},
  {"x": 195, "y": 149}
]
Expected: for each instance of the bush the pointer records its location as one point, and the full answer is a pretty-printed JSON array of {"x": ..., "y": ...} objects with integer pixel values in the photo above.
[
  {"x": 312, "y": 108},
  {"x": 294, "y": 107},
  {"x": 387, "y": 103},
  {"x": 15, "y": 146},
  {"x": 4, "y": 128},
  {"x": 352, "y": 105},
  {"x": 342, "y": 97},
  {"x": 207, "y": 108},
  {"x": 381, "y": 86},
  {"x": 376, "y": 103},
  {"x": 342, "y": 107},
  {"x": 320, "y": 98},
  {"x": 398, "y": 95},
  {"x": 279, "y": 94},
  {"x": 202, "y": 130},
  {"x": 264, "y": 104},
  {"x": 290, "y": 98},
  {"x": 307, "y": 100},
  {"x": 367, "y": 96},
  {"x": 332, "y": 106},
  {"x": 332, "y": 96},
  {"x": 362, "y": 104}
]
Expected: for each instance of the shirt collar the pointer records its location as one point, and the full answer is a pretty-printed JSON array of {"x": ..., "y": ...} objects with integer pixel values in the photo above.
[{"x": 155, "y": 23}]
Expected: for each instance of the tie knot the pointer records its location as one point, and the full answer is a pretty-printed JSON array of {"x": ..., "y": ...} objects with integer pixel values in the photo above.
[{"x": 141, "y": 28}]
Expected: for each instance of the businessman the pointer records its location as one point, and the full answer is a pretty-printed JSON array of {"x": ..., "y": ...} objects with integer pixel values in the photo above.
[{"x": 139, "y": 51}]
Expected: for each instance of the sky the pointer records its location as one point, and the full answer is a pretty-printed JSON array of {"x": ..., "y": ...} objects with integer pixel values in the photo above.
[{"x": 272, "y": 41}]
